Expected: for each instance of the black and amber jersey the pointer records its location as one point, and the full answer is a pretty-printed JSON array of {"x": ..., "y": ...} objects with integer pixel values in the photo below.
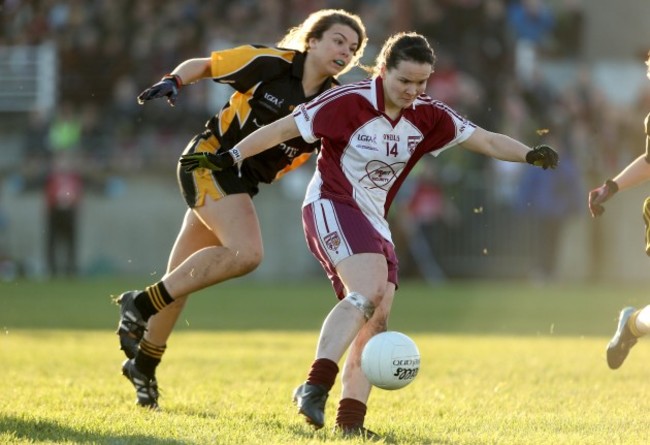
[{"x": 268, "y": 84}]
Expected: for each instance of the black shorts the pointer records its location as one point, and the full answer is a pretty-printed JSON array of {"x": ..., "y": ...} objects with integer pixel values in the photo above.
[{"x": 200, "y": 182}]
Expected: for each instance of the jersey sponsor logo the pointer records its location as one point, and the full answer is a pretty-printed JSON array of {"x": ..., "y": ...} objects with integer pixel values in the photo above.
[
  {"x": 380, "y": 175},
  {"x": 332, "y": 241},
  {"x": 290, "y": 152},
  {"x": 274, "y": 100},
  {"x": 367, "y": 139},
  {"x": 391, "y": 137}
]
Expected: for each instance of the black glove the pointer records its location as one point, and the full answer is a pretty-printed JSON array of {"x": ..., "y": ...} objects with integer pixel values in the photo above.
[
  {"x": 598, "y": 196},
  {"x": 203, "y": 159},
  {"x": 542, "y": 156},
  {"x": 167, "y": 87}
]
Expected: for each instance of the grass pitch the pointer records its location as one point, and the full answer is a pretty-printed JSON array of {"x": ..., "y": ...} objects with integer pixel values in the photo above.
[{"x": 502, "y": 363}]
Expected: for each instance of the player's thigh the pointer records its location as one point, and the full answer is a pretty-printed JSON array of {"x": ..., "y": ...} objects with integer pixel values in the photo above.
[
  {"x": 193, "y": 236},
  {"x": 234, "y": 221},
  {"x": 366, "y": 273}
]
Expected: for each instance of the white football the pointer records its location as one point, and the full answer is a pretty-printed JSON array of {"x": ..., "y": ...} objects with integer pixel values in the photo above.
[{"x": 390, "y": 360}]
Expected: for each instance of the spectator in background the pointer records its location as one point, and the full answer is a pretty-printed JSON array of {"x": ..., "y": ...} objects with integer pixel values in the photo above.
[
  {"x": 547, "y": 202},
  {"x": 423, "y": 217},
  {"x": 494, "y": 58},
  {"x": 35, "y": 145},
  {"x": 569, "y": 29},
  {"x": 65, "y": 130},
  {"x": 532, "y": 23},
  {"x": 63, "y": 193}
]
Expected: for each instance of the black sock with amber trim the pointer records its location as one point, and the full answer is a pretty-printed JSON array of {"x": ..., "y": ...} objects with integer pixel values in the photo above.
[
  {"x": 148, "y": 357},
  {"x": 152, "y": 300}
]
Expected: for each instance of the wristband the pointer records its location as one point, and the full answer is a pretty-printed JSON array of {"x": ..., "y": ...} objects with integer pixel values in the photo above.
[
  {"x": 235, "y": 154},
  {"x": 611, "y": 186},
  {"x": 176, "y": 78}
]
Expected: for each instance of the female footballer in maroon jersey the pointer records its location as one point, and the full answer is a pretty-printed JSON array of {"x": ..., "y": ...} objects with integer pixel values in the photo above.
[
  {"x": 372, "y": 133},
  {"x": 632, "y": 323},
  {"x": 220, "y": 236}
]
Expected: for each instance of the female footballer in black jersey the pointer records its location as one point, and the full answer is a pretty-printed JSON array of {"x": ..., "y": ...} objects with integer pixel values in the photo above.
[
  {"x": 632, "y": 323},
  {"x": 220, "y": 235}
]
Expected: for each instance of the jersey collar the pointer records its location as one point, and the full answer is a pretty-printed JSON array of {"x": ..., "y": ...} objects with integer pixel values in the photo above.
[
  {"x": 298, "y": 70},
  {"x": 378, "y": 96}
]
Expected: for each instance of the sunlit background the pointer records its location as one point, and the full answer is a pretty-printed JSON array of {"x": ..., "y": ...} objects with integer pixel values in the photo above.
[{"x": 569, "y": 73}]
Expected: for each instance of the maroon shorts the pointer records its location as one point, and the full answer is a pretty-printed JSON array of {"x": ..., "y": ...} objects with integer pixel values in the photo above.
[{"x": 336, "y": 230}]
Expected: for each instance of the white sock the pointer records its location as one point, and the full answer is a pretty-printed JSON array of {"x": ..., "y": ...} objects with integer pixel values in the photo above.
[{"x": 642, "y": 320}]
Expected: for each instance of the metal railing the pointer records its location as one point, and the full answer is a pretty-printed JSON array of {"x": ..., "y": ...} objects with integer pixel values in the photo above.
[{"x": 28, "y": 78}]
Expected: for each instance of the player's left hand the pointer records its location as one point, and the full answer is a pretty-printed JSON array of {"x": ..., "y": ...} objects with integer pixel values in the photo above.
[
  {"x": 203, "y": 159},
  {"x": 599, "y": 195},
  {"x": 543, "y": 156}
]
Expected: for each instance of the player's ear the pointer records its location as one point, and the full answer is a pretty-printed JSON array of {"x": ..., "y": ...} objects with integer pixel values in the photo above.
[{"x": 311, "y": 43}]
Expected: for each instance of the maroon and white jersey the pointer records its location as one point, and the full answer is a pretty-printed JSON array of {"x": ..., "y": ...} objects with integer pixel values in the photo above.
[{"x": 365, "y": 155}]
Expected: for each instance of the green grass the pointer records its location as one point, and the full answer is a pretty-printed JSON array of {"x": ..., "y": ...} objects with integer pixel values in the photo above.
[{"x": 502, "y": 363}]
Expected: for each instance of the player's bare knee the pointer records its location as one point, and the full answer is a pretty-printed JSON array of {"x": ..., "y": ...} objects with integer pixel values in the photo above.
[
  {"x": 247, "y": 261},
  {"x": 363, "y": 304}
]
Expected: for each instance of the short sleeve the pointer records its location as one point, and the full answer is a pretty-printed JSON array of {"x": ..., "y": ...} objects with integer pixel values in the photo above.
[
  {"x": 245, "y": 66},
  {"x": 305, "y": 122}
]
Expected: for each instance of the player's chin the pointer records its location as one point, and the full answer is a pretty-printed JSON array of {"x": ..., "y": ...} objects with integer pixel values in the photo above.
[{"x": 407, "y": 102}]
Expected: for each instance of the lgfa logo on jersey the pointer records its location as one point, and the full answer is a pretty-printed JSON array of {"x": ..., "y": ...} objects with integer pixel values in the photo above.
[
  {"x": 367, "y": 138},
  {"x": 274, "y": 100}
]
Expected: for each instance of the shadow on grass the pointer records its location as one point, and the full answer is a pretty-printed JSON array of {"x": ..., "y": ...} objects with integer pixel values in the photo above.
[{"x": 39, "y": 430}]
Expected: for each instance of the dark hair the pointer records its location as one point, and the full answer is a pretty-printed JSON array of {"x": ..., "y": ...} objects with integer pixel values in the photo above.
[
  {"x": 320, "y": 21},
  {"x": 409, "y": 46}
]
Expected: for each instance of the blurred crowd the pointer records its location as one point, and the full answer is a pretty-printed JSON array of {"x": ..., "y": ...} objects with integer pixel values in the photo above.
[{"x": 490, "y": 59}]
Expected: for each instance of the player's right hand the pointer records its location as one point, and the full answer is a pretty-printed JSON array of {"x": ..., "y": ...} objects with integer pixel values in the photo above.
[
  {"x": 599, "y": 195},
  {"x": 167, "y": 87},
  {"x": 203, "y": 159}
]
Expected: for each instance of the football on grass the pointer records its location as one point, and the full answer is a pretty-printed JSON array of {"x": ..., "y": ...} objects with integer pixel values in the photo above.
[{"x": 390, "y": 360}]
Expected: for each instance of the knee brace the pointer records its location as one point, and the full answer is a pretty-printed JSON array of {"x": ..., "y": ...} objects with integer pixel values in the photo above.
[{"x": 357, "y": 300}]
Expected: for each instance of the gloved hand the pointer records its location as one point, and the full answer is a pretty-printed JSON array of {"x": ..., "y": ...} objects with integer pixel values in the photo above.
[
  {"x": 203, "y": 159},
  {"x": 598, "y": 196},
  {"x": 542, "y": 156},
  {"x": 168, "y": 86}
]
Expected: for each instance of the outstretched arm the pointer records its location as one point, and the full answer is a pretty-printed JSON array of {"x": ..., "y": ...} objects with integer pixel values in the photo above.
[
  {"x": 256, "y": 142},
  {"x": 502, "y": 147},
  {"x": 187, "y": 72},
  {"x": 637, "y": 172},
  {"x": 268, "y": 136}
]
